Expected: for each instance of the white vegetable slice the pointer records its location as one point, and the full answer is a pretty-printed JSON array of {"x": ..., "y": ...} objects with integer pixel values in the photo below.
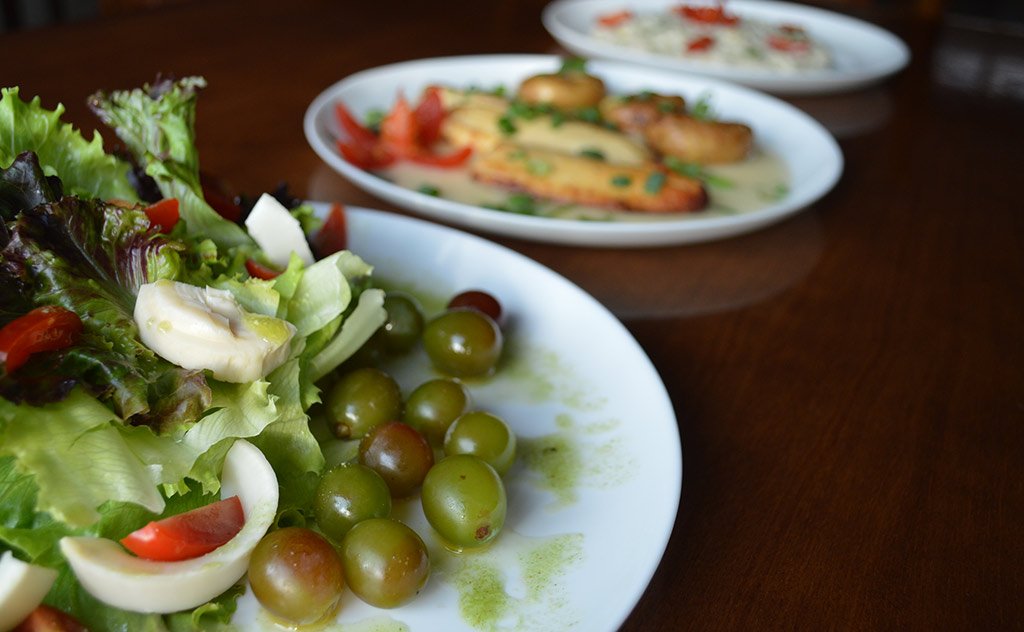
[
  {"x": 276, "y": 232},
  {"x": 22, "y": 588},
  {"x": 206, "y": 328},
  {"x": 124, "y": 581}
]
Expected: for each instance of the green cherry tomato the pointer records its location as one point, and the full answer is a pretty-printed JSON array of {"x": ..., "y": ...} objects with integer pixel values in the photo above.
[
  {"x": 434, "y": 405},
  {"x": 296, "y": 575},
  {"x": 485, "y": 436},
  {"x": 404, "y": 324},
  {"x": 362, "y": 400},
  {"x": 463, "y": 343},
  {"x": 348, "y": 494},
  {"x": 400, "y": 454},
  {"x": 464, "y": 501},
  {"x": 385, "y": 561}
]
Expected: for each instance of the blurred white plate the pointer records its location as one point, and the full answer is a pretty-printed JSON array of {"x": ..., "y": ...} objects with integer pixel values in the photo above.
[
  {"x": 573, "y": 557},
  {"x": 809, "y": 152},
  {"x": 863, "y": 53}
]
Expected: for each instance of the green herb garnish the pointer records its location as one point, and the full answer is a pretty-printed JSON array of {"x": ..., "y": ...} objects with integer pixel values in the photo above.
[
  {"x": 373, "y": 120},
  {"x": 506, "y": 125},
  {"x": 519, "y": 203},
  {"x": 538, "y": 167},
  {"x": 775, "y": 193},
  {"x": 693, "y": 170},
  {"x": 590, "y": 115},
  {"x": 573, "y": 64},
  {"x": 654, "y": 183},
  {"x": 621, "y": 181},
  {"x": 702, "y": 108},
  {"x": 429, "y": 189},
  {"x": 594, "y": 154}
]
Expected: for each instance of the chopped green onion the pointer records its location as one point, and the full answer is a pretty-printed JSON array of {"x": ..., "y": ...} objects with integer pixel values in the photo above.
[
  {"x": 590, "y": 115},
  {"x": 594, "y": 154},
  {"x": 702, "y": 108},
  {"x": 506, "y": 126},
  {"x": 573, "y": 64},
  {"x": 429, "y": 189},
  {"x": 557, "y": 119},
  {"x": 373, "y": 120},
  {"x": 621, "y": 181}
]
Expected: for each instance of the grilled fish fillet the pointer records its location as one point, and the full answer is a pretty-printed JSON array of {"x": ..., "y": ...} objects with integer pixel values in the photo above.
[{"x": 557, "y": 175}]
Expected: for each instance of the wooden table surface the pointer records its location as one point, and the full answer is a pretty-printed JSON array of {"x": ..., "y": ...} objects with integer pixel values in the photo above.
[{"x": 849, "y": 384}]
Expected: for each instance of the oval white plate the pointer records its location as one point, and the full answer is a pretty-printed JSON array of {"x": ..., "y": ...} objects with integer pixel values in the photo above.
[
  {"x": 863, "y": 53},
  {"x": 810, "y": 153},
  {"x": 605, "y": 399}
]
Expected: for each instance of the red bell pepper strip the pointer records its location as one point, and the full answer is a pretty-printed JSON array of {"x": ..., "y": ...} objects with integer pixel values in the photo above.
[
  {"x": 429, "y": 115},
  {"x": 707, "y": 15},
  {"x": 43, "y": 329}
]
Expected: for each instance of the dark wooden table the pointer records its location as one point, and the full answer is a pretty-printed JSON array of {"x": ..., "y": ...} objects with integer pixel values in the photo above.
[{"x": 849, "y": 383}]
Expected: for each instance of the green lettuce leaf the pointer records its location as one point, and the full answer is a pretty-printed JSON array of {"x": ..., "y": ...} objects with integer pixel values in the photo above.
[
  {"x": 84, "y": 168},
  {"x": 157, "y": 124}
]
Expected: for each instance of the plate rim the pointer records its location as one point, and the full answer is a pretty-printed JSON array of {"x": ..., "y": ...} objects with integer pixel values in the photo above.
[
  {"x": 563, "y": 231},
  {"x": 819, "y": 82}
]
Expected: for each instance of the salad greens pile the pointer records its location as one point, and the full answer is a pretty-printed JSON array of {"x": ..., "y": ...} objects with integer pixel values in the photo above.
[{"x": 104, "y": 436}]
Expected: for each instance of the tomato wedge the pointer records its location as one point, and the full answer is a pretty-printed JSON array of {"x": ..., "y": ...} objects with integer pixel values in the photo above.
[
  {"x": 399, "y": 131},
  {"x": 48, "y": 619},
  {"x": 429, "y": 115},
  {"x": 357, "y": 133},
  {"x": 454, "y": 159},
  {"x": 163, "y": 214},
  {"x": 333, "y": 235},
  {"x": 188, "y": 535},
  {"x": 368, "y": 158},
  {"x": 260, "y": 271},
  {"x": 43, "y": 329}
]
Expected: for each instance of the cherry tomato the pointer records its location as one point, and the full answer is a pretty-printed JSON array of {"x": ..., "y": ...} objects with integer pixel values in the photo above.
[
  {"x": 43, "y": 329},
  {"x": 190, "y": 534},
  {"x": 333, "y": 235},
  {"x": 478, "y": 300},
  {"x": 296, "y": 574},
  {"x": 260, "y": 271},
  {"x": 400, "y": 454},
  {"x": 163, "y": 214}
]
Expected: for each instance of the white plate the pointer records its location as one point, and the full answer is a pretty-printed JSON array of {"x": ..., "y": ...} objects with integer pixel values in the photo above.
[
  {"x": 606, "y": 401},
  {"x": 863, "y": 53},
  {"x": 811, "y": 155}
]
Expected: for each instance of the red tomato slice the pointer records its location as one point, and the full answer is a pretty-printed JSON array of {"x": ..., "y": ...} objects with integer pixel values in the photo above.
[
  {"x": 399, "y": 130},
  {"x": 188, "y": 535},
  {"x": 700, "y": 44},
  {"x": 357, "y": 132},
  {"x": 333, "y": 235},
  {"x": 789, "y": 44},
  {"x": 367, "y": 158},
  {"x": 163, "y": 214},
  {"x": 707, "y": 15},
  {"x": 615, "y": 19},
  {"x": 453, "y": 159},
  {"x": 260, "y": 271},
  {"x": 220, "y": 201},
  {"x": 429, "y": 115},
  {"x": 43, "y": 329}
]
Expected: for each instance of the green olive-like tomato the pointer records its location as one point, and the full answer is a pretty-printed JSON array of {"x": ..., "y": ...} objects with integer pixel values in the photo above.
[
  {"x": 385, "y": 561},
  {"x": 404, "y": 324},
  {"x": 464, "y": 500},
  {"x": 348, "y": 494},
  {"x": 485, "y": 436},
  {"x": 463, "y": 343},
  {"x": 434, "y": 405},
  {"x": 296, "y": 575},
  {"x": 362, "y": 400}
]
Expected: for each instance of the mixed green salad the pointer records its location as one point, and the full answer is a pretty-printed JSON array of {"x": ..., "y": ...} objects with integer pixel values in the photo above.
[{"x": 102, "y": 436}]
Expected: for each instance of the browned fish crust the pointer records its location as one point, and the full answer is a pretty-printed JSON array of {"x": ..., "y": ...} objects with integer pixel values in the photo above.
[{"x": 582, "y": 180}]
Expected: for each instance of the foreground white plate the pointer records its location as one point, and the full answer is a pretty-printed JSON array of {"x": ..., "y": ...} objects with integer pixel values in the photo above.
[
  {"x": 863, "y": 53},
  {"x": 810, "y": 153},
  {"x": 574, "y": 557}
]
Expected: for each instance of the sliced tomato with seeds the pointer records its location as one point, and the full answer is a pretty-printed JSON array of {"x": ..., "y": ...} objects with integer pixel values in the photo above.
[
  {"x": 46, "y": 328},
  {"x": 707, "y": 15},
  {"x": 188, "y": 535}
]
